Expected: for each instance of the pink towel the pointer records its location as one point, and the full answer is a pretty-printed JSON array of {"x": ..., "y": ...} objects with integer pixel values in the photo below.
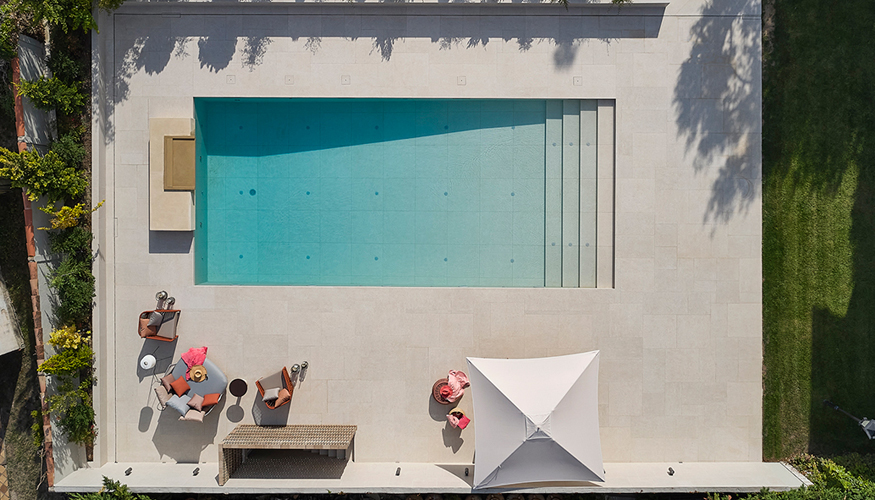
[
  {"x": 193, "y": 357},
  {"x": 463, "y": 422},
  {"x": 454, "y": 420},
  {"x": 457, "y": 382}
]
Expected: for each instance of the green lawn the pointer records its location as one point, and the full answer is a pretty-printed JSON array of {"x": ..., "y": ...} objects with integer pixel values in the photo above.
[{"x": 818, "y": 226}]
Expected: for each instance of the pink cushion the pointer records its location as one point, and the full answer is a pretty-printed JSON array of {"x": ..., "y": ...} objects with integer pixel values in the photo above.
[
  {"x": 167, "y": 380},
  {"x": 196, "y": 402},
  {"x": 163, "y": 395},
  {"x": 193, "y": 416},
  {"x": 284, "y": 396}
]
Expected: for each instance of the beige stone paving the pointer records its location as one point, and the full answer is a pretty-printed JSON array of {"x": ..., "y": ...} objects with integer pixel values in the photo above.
[{"x": 680, "y": 333}]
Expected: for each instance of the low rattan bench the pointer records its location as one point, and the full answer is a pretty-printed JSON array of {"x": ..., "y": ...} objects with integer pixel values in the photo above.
[{"x": 284, "y": 437}]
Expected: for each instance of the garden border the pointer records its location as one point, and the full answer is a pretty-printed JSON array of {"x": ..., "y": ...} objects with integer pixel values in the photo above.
[{"x": 34, "y": 286}]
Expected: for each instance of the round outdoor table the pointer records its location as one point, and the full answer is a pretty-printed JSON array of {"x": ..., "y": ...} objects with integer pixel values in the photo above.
[{"x": 238, "y": 387}]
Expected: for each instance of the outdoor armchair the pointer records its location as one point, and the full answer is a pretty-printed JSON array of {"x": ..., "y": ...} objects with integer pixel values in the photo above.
[
  {"x": 278, "y": 381},
  {"x": 159, "y": 324}
]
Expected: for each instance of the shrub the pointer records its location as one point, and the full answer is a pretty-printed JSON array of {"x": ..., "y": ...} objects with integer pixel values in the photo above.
[
  {"x": 74, "y": 284},
  {"x": 112, "y": 490},
  {"x": 7, "y": 94},
  {"x": 110, "y": 5},
  {"x": 75, "y": 241},
  {"x": 77, "y": 423},
  {"x": 73, "y": 410},
  {"x": 70, "y": 149},
  {"x": 862, "y": 466},
  {"x": 68, "y": 362},
  {"x": 68, "y": 15},
  {"x": 41, "y": 175},
  {"x": 64, "y": 67},
  {"x": 36, "y": 428},
  {"x": 71, "y": 404},
  {"x": 51, "y": 93},
  {"x": 67, "y": 217},
  {"x": 72, "y": 278},
  {"x": 68, "y": 337},
  {"x": 831, "y": 480},
  {"x": 8, "y": 34}
]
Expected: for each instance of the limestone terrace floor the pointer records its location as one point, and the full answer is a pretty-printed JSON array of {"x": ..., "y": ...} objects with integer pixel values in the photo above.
[{"x": 679, "y": 332}]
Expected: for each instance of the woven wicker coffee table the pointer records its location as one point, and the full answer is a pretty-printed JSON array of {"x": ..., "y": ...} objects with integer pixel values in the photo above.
[{"x": 285, "y": 437}]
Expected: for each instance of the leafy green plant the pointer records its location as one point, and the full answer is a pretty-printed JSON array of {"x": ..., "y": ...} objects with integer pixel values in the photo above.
[
  {"x": 67, "y": 217},
  {"x": 7, "y": 94},
  {"x": 862, "y": 466},
  {"x": 66, "y": 15},
  {"x": 110, "y": 5},
  {"x": 74, "y": 284},
  {"x": 71, "y": 368},
  {"x": 72, "y": 407},
  {"x": 112, "y": 490},
  {"x": 36, "y": 428},
  {"x": 831, "y": 481},
  {"x": 68, "y": 337},
  {"x": 74, "y": 241},
  {"x": 64, "y": 67},
  {"x": 8, "y": 34},
  {"x": 70, "y": 149},
  {"x": 41, "y": 175},
  {"x": 51, "y": 93},
  {"x": 68, "y": 362},
  {"x": 77, "y": 423},
  {"x": 72, "y": 278}
]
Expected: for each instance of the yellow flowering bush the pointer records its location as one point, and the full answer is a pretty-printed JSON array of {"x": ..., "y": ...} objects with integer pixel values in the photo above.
[
  {"x": 68, "y": 337},
  {"x": 41, "y": 174},
  {"x": 68, "y": 216}
]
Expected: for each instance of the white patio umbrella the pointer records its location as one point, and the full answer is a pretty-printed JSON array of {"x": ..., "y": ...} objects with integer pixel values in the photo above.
[{"x": 536, "y": 420}]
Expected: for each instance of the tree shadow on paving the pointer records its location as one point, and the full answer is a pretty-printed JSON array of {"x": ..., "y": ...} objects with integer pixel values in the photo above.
[
  {"x": 217, "y": 39},
  {"x": 717, "y": 105},
  {"x": 818, "y": 227}
]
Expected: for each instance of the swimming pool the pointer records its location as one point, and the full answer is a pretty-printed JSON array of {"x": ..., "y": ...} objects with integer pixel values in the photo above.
[{"x": 395, "y": 192}]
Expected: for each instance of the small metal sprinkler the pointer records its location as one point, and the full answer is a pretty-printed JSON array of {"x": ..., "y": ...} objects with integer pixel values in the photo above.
[{"x": 867, "y": 425}]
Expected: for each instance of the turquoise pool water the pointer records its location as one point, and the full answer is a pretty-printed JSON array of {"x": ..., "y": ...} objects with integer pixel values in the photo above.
[{"x": 392, "y": 192}]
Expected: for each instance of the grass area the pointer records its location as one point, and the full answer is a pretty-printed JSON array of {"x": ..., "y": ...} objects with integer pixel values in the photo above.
[
  {"x": 19, "y": 390},
  {"x": 818, "y": 226}
]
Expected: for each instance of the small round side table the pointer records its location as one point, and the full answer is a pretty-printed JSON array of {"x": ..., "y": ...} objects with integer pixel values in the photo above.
[{"x": 238, "y": 387}]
